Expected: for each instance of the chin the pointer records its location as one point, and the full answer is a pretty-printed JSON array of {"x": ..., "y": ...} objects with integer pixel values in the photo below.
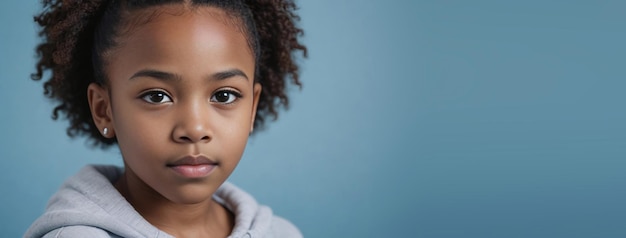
[{"x": 192, "y": 194}]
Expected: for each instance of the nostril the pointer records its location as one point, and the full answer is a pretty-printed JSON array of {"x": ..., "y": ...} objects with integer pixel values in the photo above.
[
  {"x": 186, "y": 134},
  {"x": 185, "y": 139},
  {"x": 188, "y": 139}
]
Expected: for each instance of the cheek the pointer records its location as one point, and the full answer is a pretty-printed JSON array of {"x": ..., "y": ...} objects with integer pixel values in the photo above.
[
  {"x": 233, "y": 132},
  {"x": 138, "y": 133}
]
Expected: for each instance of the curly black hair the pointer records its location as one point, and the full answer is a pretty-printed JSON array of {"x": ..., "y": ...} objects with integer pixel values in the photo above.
[{"x": 76, "y": 34}]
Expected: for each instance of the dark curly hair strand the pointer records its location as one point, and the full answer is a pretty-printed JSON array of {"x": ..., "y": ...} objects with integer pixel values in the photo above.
[{"x": 77, "y": 34}]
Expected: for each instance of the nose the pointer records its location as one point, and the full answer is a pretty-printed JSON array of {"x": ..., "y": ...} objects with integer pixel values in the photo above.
[{"x": 192, "y": 125}]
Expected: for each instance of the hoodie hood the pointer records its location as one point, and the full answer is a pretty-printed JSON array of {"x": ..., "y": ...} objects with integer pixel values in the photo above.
[{"x": 90, "y": 200}]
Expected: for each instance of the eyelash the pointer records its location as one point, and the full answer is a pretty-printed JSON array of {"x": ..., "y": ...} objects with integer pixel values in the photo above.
[
  {"x": 232, "y": 96},
  {"x": 232, "y": 93},
  {"x": 146, "y": 96}
]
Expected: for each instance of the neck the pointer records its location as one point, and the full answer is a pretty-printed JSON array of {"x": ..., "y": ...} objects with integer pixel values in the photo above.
[{"x": 204, "y": 219}]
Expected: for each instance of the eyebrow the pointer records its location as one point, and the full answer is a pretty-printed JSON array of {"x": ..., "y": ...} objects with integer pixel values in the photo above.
[
  {"x": 166, "y": 76},
  {"x": 161, "y": 75},
  {"x": 229, "y": 74}
]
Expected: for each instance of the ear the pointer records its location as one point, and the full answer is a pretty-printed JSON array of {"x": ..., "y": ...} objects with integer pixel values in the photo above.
[
  {"x": 257, "y": 94},
  {"x": 100, "y": 105}
]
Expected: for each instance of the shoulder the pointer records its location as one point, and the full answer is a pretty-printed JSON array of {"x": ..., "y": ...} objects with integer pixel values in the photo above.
[
  {"x": 78, "y": 231},
  {"x": 282, "y": 228},
  {"x": 253, "y": 219},
  {"x": 88, "y": 205}
]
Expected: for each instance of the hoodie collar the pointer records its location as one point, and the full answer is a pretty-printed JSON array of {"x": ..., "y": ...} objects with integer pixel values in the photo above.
[{"x": 90, "y": 199}]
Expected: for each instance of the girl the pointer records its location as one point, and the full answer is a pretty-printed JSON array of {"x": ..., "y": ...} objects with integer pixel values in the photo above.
[{"x": 178, "y": 85}]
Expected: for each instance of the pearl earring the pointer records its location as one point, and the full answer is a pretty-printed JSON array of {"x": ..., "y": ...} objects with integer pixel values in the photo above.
[{"x": 105, "y": 131}]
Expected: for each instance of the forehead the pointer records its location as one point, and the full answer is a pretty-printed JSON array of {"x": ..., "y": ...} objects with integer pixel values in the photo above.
[
  {"x": 170, "y": 19},
  {"x": 179, "y": 36},
  {"x": 131, "y": 19},
  {"x": 173, "y": 15}
]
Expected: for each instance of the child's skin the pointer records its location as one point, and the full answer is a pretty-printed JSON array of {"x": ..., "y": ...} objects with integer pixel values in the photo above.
[{"x": 179, "y": 86}]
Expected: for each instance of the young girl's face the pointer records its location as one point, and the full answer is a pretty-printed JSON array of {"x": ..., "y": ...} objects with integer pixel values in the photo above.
[{"x": 182, "y": 101}]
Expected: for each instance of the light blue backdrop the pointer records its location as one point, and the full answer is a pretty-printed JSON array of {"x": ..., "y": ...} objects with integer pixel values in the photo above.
[{"x": 417, "y": 119}]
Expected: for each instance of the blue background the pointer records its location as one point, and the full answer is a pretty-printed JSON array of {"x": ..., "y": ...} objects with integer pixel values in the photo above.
[{"x": 417, "y": 119}]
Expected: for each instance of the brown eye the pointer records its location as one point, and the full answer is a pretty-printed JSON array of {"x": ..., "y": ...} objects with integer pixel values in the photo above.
[
  {"x": 225, "y": 96},
  {"x": 156, "y": 97}
]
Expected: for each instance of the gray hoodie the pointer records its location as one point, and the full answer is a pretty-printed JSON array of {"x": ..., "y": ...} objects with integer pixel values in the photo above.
[{"x": 88, "y": 205}]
